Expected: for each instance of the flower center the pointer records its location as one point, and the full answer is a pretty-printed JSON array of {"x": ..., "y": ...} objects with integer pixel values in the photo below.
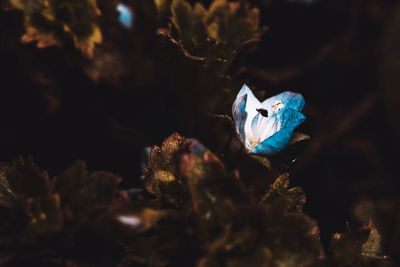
[
  {"x": 263, "y": 112},
  {"x": 277, "y": 105},
  {"x": 253, "y": 142}
]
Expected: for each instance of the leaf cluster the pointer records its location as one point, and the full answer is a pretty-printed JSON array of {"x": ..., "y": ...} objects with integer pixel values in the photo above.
[
  {"x": 362, "y": 247},
  {"x": 219, "y": 36},
  {"x": 191, "y": 211},
  {"x": 43, "y": 219},
  {"x": 57, "y": 22},
  {"x": 212, "y": 219}
]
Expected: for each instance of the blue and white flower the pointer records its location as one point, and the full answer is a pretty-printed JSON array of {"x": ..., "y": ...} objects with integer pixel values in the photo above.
[
  {"x": 265, "y": 128},
  {"x": 126, "y": 16}
]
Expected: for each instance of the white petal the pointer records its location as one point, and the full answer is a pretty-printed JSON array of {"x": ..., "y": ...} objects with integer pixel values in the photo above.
[
  {"x": 264, "y": 127},
  {"x": 269, "y": 126},
  {"x": 131, "y": 221},
  {"x": 252, "y": 102},
  {"x": 251, "y": 108}
]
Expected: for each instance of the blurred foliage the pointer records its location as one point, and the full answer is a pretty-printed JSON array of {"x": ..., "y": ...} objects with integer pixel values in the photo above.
[
  {"x": 45, "y": 219},
  {"x": 224, "y": 222},
  {"x": 359, "y": 248},
  {"x": 193, "y": 211},
  {"x": 219, "y": 36},
  {"x": 54, "y": 22},
  {"x": 162, "y": 176},
  {"x": 179, "y": 66}
]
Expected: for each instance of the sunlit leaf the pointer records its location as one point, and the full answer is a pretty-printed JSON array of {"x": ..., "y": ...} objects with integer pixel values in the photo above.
[{"x": 162, "y": 177}]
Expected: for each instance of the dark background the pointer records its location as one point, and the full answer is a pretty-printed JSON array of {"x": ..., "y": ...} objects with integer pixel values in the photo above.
[{"x": 342, "y": 55}]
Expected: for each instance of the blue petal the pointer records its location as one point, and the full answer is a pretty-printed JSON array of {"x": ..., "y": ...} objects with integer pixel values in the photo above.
[
  {"x": 290, "y": 119},
  {"x": 289, "y": 100},
  {"x": 125, "y": 15},
  {"x": 240, "y": 116}
]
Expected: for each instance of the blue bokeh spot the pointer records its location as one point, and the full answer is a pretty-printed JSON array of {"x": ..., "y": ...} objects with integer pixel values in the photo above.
[{"x": 126, "y": 16}]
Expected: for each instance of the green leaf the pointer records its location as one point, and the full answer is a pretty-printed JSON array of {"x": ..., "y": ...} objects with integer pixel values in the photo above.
[
  {"x": 236, "y": 22},
  {"x": 24, "y": 179},
  {"x": 372, "y": 247},
  {"x": 6, "y": 195},
  {"x": 41, "y": 223},
  {"x": 358, "y": 248},
  {"x": 262, "y": 160},
  {"x": 221, "y": 35},
  {"x": 215, "y": 193},
  {"x": 217, "y": 220},
  {"x": 188, "y": 22},
  {"x": 299, "y": 137},
  {"x": 45, "y": 214},
  {"x": 283, "y": 199},
  {"x": 162, "y": 177},
  {"x": 293, "y": 240},
  {"x": 163, "y": 7},
  {"x": 84, "y": 191},
  {"x": 292, "y": 236}
]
